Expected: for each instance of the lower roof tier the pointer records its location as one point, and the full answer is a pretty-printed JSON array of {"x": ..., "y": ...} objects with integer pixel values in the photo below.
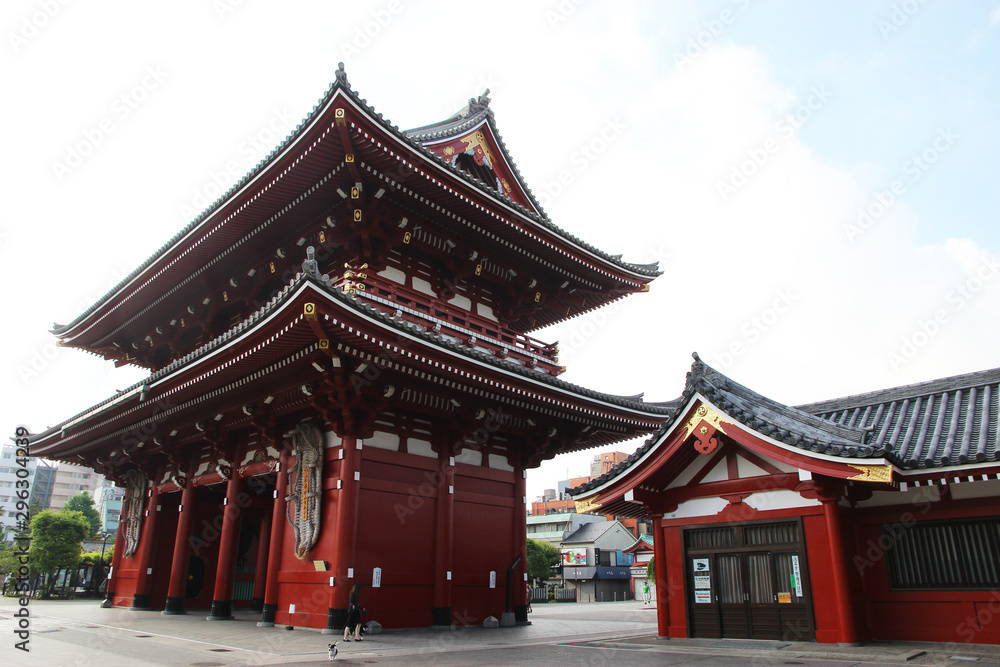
[{"x": 316, "y": 348}]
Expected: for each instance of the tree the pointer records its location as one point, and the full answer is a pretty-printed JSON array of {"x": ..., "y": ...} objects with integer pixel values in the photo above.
[
  {"x": 84, "y": 504},
  {"x": 541, "y": 557},
  {"x": 56, "y": 539},
  {"x": 651, "y": 570}
]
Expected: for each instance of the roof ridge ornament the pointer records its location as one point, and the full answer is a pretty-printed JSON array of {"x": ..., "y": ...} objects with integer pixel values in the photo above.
[
  {"x": 310, "y": 266},
  {"x": 341, "y": 75},
  {"x": 481, "y": 103}
]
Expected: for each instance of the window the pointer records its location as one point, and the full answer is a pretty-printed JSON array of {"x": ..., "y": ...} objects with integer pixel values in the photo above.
[{"x": 944, "y": 555}]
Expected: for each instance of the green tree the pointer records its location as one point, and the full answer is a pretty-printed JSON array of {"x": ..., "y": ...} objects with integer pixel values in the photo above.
[
  {"x": 651, "y": 570},
  {"x": 84, "y": 504},
  {"x": 56, "y": 539},
  {"x": 541, "y": 557}
]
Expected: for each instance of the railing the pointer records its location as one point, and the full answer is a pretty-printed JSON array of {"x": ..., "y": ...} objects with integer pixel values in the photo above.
[
  {"x": 461, "y": 325},
  {"x": 565, "y": 595}
]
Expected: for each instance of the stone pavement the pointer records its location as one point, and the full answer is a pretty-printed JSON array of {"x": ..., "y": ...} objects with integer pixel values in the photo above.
[{"x": 80, "y": 634}]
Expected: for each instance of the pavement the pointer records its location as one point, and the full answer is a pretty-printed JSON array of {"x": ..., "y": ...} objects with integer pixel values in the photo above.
[{"x": 79, "y": 633}]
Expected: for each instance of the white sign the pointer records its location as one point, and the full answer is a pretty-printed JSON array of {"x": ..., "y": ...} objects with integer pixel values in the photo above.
[
  {"x": 796, "y": 575},
  {"x": 376, "y": 577},
  {"x": 703, "y": 582},
  {"x": 350, "y": 573},
  {"x": 700, "y": 564},
  {"x": 702, "y": 597},
  {"x": 291, "y": 609},
  {"x": 493, "y": 579}
]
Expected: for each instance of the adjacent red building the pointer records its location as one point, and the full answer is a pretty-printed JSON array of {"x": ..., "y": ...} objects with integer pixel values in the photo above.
[
  {"x": 343, "y": 383},
  {"x": 868, "y": 517}
]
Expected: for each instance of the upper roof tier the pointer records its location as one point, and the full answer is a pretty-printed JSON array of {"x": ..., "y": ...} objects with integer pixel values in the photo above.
[{"x": 455, "y": 176}]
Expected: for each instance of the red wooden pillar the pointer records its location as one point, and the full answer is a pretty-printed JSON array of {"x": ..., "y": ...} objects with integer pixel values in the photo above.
[
  {"x": 444, "y": 548},
  {"x": 182, "y": 551},
  {"x": 847, "y": 630},
  {"x": 116, "y": 561},
  {"x": 143, "y": 598},
  {"x": 345, "y": 531},
  {"x": 277, "y": 538},
  {"x": 662, "y": 585},
  {"x": 520, "y": 578},
  {"x": 260, "y": 569},
  {"x": 222, "y": 599}
]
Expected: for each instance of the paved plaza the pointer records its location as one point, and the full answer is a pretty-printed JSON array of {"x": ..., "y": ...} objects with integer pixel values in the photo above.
[{"x": 80, "y": 634}]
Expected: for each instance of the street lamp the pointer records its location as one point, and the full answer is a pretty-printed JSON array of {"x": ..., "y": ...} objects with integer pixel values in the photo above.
[{"x": 104, "y": 543}]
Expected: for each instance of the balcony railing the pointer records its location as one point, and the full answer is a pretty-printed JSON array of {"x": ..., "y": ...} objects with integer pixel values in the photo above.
[{"x": 457, "y": 324}]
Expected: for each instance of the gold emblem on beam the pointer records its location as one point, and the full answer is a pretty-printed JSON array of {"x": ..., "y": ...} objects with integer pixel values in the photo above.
[
  {"x": 882, "y": 473},
  {"x": 586, "y": 505},
  {"x": 703, "y": 413}
]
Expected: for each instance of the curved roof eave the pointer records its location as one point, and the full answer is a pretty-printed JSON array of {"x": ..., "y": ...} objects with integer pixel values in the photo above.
[
  {"x": 648, "y": 271},
  {"x": 303, "y": 281}
]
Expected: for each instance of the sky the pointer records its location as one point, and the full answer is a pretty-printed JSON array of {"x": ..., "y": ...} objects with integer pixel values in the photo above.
[{"x": 817, "y": 181}]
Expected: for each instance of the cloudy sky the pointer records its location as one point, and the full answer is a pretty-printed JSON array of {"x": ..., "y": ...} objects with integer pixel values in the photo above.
[{"x": 817, "y": 180}]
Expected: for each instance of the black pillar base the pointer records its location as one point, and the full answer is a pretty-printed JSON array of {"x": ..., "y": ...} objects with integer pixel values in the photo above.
[
  {"x": 521, "y": 614},
  {"x": 142, "y": 602},
  {"x": 256, "y": 604},
  {"x": 109, "y": 601},
  {"x": 222, "y": 610},
  {"x": 174, "y": 607},
  {"x": 441, "y": 615},
  {"x": 267, "y": 616},
  {"x": 336, "y": 619}
]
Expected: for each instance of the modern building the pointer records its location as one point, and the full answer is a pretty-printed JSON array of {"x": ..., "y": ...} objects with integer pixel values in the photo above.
[
  {"x": 344, "y": 387},
  {"x": 557, "y": 526},
  {"x": 39, "y": 477},
  {"x": 72, "y": 480},
  {"x": 867, "y": 517},
  {"x": 594, "y": 563},
  {"x": 559, "y": 502},
  {"x": 109, "y": 507}
]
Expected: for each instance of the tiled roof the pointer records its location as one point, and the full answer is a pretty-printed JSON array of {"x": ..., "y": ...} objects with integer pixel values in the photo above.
[
  {"x": 363, "y": 306},
  {"x": 317, "y": 110},
  {"x": 589, "y": 532},
  {"x": 945, "y": 422}
]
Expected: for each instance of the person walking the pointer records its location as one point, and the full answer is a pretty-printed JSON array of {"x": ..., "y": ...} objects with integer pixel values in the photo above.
[
  {"x": 354, "y": 611},
  {"x": 645, "y": 592}
]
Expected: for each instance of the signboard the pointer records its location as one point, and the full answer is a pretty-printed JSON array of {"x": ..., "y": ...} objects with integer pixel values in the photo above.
[
  {"x": 376, "y": 577},
  {"x": 700, "y": 564},
  {"x": 702, "y": 597},
  {"x": 702, "y": 582},
  {"x": 493, "y": 579},
  {"x": 574, "y": 556},
  {"x": 796, "y": 576},
  {"x": 784, "y": 598}
]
